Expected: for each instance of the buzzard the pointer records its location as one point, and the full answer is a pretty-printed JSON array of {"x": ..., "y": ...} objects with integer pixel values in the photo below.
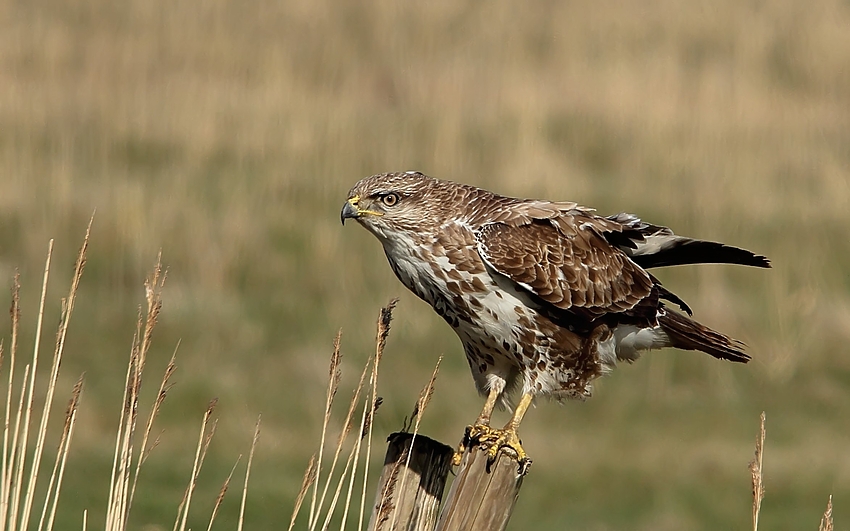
[{"x": 545, "y": 296}]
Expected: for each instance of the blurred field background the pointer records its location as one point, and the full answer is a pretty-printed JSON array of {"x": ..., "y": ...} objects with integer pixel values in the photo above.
[{"x": 228, "y": 133}]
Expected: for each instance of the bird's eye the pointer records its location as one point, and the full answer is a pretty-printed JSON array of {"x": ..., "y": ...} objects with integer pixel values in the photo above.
[{"x": 390, "y": 199}]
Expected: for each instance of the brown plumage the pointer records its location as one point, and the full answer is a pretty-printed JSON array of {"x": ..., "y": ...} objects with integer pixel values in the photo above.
[{"x": 545, "y": 296}]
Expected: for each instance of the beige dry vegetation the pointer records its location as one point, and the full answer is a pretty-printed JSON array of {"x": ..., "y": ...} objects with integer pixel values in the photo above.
[{"x": 227, "y": 134}]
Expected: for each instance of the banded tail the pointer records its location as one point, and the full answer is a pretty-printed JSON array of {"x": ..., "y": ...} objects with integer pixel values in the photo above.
[{"x": 687, "y": 334}]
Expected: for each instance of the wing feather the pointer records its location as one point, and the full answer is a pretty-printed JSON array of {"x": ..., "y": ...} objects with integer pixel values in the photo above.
[
  {"x": 566, "y": 261},
  {"x": 656, "y": 246}
]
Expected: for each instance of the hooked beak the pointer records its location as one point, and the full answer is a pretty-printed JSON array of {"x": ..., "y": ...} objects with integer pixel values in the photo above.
[{"x": 350, "y": 210}]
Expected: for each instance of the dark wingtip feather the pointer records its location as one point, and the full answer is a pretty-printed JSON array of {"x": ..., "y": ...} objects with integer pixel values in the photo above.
[
  {"x": 668, "y": 295},
  {"x": 686, "y": 251}
]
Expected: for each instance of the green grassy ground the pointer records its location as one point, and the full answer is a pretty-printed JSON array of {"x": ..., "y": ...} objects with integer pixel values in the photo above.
[{"x": 227, "y": 134}]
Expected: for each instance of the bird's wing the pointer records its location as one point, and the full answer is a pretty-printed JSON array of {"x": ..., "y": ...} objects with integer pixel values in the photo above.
[{"x": 567, "y": 261}]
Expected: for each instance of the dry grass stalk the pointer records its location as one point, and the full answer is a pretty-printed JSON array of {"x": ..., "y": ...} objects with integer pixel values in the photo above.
[
  {"x": 222, "y": 492},
  {"x": 387, "y": 492},
  {"x": 343, "y": 436},
  {"x": 340, "y": 482},
  {"x": 5, "y": 474},
  {"x": 254, "y": 442},
  {"x": 421, "y": 404},
  {"x": 200, "y": 454},
  {"x": 384, "y": 322},
  {"x": 61, "y": 335},
  {"x": 120, "y": 494},
  {"x": 383, "y": 332},
  {"x": 61, "y": 457},
  {"x": 375, "y": 404},
  {"x": 425, "y": 396},
  {"x": 144, "y": 451},
  {"x": 371, "y": 403},
  {"x": 15, "y": 513},
  {"x": 826, "y": 520},
  {"x": 116, "y": 500},
  {"x": 19, "y": 462},
  {"x": 153, "y": 293},
  {"x": 757, "y": 475},
  {"x": 309, "y": 479},
  {"x": 11, "y": 501},
  {"x": 354, "y": 460},
  {"x": 334, "y": 376},
  {"x": 369, "y": 407}
]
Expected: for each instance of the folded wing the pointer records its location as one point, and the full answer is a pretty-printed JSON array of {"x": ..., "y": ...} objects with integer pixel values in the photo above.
[{"x": 566, "y": 261}]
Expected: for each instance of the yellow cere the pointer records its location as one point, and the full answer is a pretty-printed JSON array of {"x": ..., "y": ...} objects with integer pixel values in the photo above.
[{"x": 354, "y": 201}]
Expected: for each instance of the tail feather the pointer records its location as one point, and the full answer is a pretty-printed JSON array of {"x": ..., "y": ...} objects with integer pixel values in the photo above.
[
  {"x": 656, "y": 246},
  {"x": 687, "y": 334},
  {"x": 677, "y": 250}
]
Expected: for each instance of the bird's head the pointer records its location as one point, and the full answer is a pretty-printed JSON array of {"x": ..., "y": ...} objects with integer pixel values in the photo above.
[{"x": 392, "y": 203}]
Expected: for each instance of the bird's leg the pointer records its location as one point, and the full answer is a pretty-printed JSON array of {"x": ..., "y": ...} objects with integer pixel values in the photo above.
[
  {"x": 506, "y": 438},
  {"x": 489, "y": 405},
  {"x": 481, "y": 426}
]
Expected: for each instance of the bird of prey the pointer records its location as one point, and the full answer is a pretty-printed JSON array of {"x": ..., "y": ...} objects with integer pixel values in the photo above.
[{"x": 545, "y": 296}]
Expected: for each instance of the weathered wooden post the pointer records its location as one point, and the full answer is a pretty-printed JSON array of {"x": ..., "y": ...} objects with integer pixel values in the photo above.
[
  {"x": 481, "y": 498},
  {"x": 410, "y": 490}
]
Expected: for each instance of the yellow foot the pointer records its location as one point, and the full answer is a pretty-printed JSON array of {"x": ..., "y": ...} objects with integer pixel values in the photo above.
[
  {"x": 493, "y": 440},
  {"x": 469, "y": 439},
  {"x": 457, "y": 457}
]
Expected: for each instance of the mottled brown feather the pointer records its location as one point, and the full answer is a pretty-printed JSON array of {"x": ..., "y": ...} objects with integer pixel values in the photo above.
[{"x": 564, "y": 263}]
